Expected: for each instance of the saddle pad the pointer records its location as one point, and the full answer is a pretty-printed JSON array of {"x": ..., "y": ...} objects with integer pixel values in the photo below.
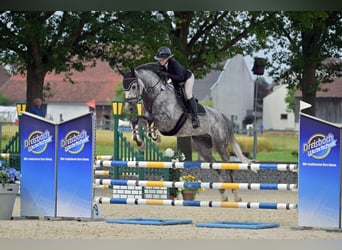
[{"x": 200, "y": 109}]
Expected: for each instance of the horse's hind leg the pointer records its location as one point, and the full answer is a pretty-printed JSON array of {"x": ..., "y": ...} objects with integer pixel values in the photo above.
[
  {"x": 237, "y": 197},
  {"x": 203, "y": 145},
  {"x": 221, "y": 148},
  {"x": 224, "y": 197}
]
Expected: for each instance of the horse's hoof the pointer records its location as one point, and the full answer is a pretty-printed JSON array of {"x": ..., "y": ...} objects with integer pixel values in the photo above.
[
  {"x": 141, "y": 147},
  {"x": 238, "y": 200}
]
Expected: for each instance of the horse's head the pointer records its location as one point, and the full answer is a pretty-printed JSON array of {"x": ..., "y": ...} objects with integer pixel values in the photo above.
[
  {"x": 136, "y": 82},
  {"x": 132, "y": 90}
]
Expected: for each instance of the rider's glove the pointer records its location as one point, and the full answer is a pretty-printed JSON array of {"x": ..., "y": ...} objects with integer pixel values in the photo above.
[{"x": 163, "y": 74}]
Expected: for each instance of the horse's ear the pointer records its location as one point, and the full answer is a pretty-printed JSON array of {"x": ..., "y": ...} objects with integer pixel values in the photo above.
[
  {"x": 121, "y": 72},
  {"x": 132, "y": 72}
]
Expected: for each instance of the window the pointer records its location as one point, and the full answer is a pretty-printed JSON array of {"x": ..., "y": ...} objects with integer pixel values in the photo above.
[{"x": 283, "y": 116}]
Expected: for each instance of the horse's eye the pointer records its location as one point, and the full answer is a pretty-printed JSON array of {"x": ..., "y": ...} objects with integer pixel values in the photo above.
[{"x": 134, "y": 87}]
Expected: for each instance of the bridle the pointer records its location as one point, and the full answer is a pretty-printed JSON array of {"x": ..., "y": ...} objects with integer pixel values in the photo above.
[
  {"x": 127, "y": 85},
  {"x": 145, "y": 91}
]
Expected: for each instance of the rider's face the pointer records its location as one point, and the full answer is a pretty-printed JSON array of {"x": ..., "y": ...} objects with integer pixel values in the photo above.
[{"x": 163, "y": 61}]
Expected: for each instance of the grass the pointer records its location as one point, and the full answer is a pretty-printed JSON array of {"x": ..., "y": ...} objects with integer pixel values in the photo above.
[
  {"x": 285, "y": 148},
  {"x": 277, "y": 147},
  {"x": 7, "y": 132},
  {"x": 277, "y": 156}
]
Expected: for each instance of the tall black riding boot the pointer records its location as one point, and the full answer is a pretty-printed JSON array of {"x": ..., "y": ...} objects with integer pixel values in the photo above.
[{"x": 193, "y": 110}]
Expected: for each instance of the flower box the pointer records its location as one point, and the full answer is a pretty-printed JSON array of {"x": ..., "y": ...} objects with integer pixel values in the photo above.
[{"x": 8, "y": 193}]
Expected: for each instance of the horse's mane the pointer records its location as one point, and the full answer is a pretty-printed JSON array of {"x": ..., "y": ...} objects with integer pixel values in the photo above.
[
  {"x": 152, "y": 66},
  {"x": 155, "y": 67}
]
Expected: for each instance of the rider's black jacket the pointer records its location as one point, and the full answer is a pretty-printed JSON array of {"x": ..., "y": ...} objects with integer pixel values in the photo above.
[{"x": 176, "y": 71}]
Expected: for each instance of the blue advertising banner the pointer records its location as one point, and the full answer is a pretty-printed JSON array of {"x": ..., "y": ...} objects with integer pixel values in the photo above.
[
  {"x": 75, "y": 167},
  {"x": 319, "y": 177},
  {"x": 38, "y": 182}
]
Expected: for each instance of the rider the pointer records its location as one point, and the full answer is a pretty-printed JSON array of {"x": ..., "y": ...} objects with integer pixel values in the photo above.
[{"x": 178, "y": 74}]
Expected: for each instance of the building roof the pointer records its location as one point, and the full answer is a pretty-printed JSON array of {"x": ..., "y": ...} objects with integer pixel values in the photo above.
[
  {"x": 219, "y": 76},
  {"x": 97, "y": 83},
  {"x": 332, "y": 89},
  {"x": 202, "y": 87},
  {"x": 236, "y": 61},
  {"x": 4, "y": 75},
  {"x": 328, "y": 90}
]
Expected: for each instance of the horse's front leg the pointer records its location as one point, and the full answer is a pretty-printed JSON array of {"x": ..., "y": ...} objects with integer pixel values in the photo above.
[
  {"x": 135, "y": 133},
  {"x": 152, "y": 132}
]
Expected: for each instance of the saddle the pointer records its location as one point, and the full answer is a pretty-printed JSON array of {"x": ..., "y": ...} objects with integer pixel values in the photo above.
[
  {"x": 181, "y": 98},
  {"x": 180, "y": 95},
  {"x": 179, "y": 90}
]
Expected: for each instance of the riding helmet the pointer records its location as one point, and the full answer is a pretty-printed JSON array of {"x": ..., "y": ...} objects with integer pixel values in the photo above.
[{"x": 162, "y": 53}]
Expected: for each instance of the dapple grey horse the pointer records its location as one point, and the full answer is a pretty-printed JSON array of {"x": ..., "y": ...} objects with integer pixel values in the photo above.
[{"x": 165, "y": 112}]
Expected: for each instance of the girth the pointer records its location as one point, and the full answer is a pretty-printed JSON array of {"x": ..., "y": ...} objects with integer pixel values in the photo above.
[{"x": 177, "y": 127}]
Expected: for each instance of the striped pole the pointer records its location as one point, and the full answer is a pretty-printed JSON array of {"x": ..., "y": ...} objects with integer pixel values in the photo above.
[
  {"x": 104, "y": 186},
  {"x": 191, "y": 203},
  {"x": 104, "y": 157},
  {"x": 102, "y": 173},
  {"x": 202, "y": 165},
  {"x": 5, "y": 155},
  {"x": 106, "y": 183}
]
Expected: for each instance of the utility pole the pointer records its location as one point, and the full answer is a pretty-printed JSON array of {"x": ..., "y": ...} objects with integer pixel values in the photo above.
[{"x": 258, "y": 70}]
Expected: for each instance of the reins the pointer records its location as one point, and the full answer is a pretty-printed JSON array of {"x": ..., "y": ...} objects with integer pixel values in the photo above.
[
  {"x": 149, "y": 92},
  {"x": 153, "y": 95}
]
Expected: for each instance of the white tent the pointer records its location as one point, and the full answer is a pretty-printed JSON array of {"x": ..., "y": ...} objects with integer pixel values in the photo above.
[{"x": 8, "y": 114}]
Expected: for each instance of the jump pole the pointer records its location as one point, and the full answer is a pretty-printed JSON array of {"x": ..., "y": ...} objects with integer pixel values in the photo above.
[
  {"x": 191, "y": 203},
  {"x": 106, "y": 183},
  {"x": 201, "y": 165}
]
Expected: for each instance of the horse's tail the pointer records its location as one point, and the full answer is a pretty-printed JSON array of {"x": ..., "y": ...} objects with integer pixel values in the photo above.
[{"x": 232, "y": 140}]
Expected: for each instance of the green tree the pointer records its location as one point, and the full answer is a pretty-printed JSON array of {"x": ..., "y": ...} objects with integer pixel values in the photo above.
[
  {"x": 4, "y": 100},
  {"x": 35, "y": 43},
  {"x": 303, "y": 40},
  {"x": 205, "y": 39},
  {"x": 200, "y": 40},
  {"x": 290, "y": 99},
  {"x": 119, "y": 92}
]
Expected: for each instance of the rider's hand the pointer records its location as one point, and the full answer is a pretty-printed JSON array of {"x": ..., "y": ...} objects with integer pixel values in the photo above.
[{"x": 163, "y": 74}]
